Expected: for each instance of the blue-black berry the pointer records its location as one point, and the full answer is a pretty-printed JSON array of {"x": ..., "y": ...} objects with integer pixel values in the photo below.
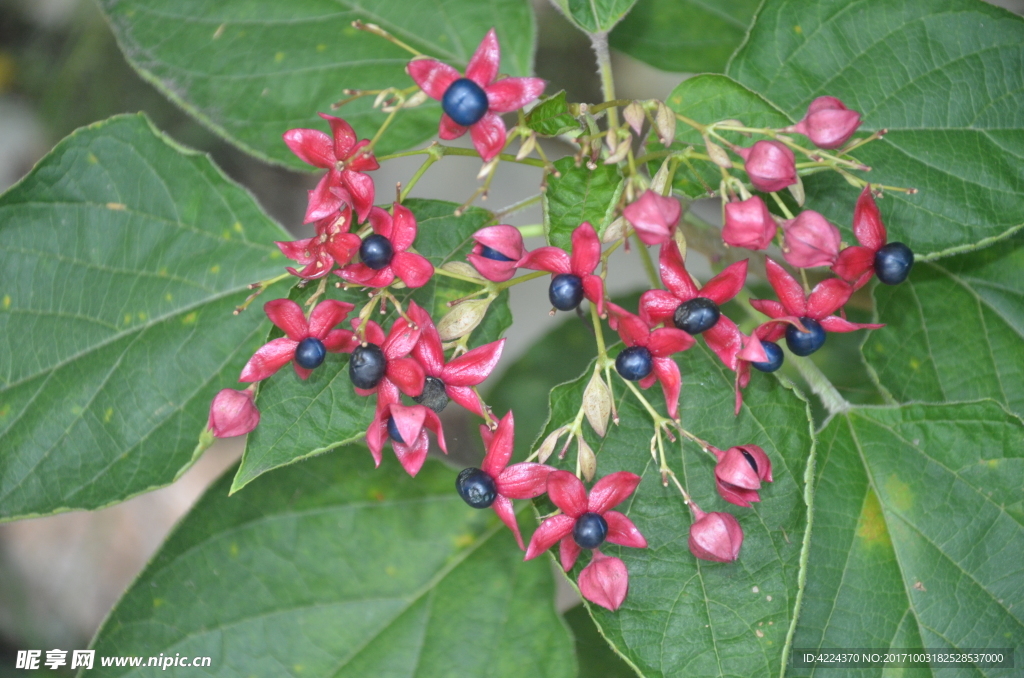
[
  {"x": 376, "y": 252},
  {"x": 634, "y": 363},
  {"x": 395, "y": 435},
  {"x": 590, "y": 530},
  {"x": 566, "y": 291},
  {"x": 491, "y": 253},
  {"x": 775, "y": 357},
  {"x": 465, "y": 102},
  {"x": 750, "y": 459},
  {"x": 805, "y": 343},
  {"x": 434, "y": 395},
  {"x": 310, "y": 353},
  {"x": 893, "y": 263},
  {"x": 696, "y": 315},
  {"x": 476, "y": 488},
  {"x": 366, "y": 366}
]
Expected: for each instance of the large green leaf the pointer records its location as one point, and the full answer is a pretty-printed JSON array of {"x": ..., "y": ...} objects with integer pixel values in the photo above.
[
  {"x": 954, "y": 330},
  {"x": 332, "y": 568},
  {"x": 695, "y": 36},
  {"x": 946, "y": 78},
  {"x": 122, "y": 257},
  {"x": 594, "y": 16},
  {"x": 579, "y": 194},
  {"x": 918, "y": 531},
  {"x": 251, "y": 70},
  {"x": 689, "y": 617},
  {"x": 302, "y": 418}
]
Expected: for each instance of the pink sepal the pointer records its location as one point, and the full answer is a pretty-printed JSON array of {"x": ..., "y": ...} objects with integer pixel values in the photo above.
[
  {"x": 610, "y": 491},
  {"x": 605, "y": 581},
  {"x": 233, "y": 413},
  {"x": 623, "y": 532},
  {"x": 653, "y": 216},
  {"x": 566, "y": 491},
  {"x": 511, "y": 94},
  {"x": 549, "y": 532},
  {"x": 503, "y": 507},
  {"x": 433, "y": 77},
  {"x": 268, "y": 359},
  {"x": 488, "y": 136},
  {"x": 524, "y": 480}
]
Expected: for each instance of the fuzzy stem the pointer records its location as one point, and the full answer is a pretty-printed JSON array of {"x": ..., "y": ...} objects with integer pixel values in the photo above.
[
  {"x": 820, "y": 385},
  {"x": 599, "y": 41}
]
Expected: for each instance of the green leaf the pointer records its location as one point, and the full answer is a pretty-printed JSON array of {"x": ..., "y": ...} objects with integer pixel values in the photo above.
[
  {"x": 252, "y": 70},
  {"x": 299, "y": 419},
  {"x": 954, "y": 330},
  {"x": 122, "y": 256},
  {"x": 595, "y": 658},
  {"x": 551, "y": 117},
  {"x": 579, "y": 195},
  {"x": 595, "y": 16},
  {"x": 332, "y": 568},
  {"x": 945, "y": 78},
  {"x": 918, "y": 531},
  {"x": 693, "y": 36},
  {"x": 684, "y": 616}
]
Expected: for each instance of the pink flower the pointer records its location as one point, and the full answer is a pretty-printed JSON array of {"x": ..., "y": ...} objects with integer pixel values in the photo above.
[
  {"x": 826, "y": 298},
  {"x": 810, "y": 240},
  {"x": 748, "y": 224},
  {"x": 508, "y": 94},
  {"x": 739, "y": 472},
  {"x": 605, "y": 581},
  {"x": 586, "y": 254},
  {"x": 828, "y": 123},
  {"x": 287, "y": 315},
  {"x": 345, "y": 161},
  {"x": 660, "y": 344},
  {"x": 715, "y": 536},
  {"x": 856, "y": 264},
  {"x": 662, "y": 306},
  {"x": 770, "y": 165},
  {"x": 454, "y": 379},
  {"x": 586, "y": 519},
  {"x": 752, "y": 351},
  {"x": 332, "y": 244},
  {"x": 400, "y": 373},
  {"x": 393, "y": 236},
  {"x": 497, "y": 251},
  {"x": 653, "y": 216},
  {"x": 233, "y": 413},
  {"x": 411, "y": 424}
]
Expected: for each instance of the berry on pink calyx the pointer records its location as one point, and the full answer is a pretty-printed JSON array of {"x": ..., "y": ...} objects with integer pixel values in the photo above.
[
  {"x": 696, "y": 315},
  {"x": 590, "y": 530},
  {"x": 805, "y": 343},
  {"x": 310, "y": 353},
  {"x": 634, "y": 363},
  {"x": 893, "y": 263},
  {"x": 775, "y": 357},
  {"x": 476, "y": 488},
  {"x": 376, "y": 252},
  {"x": 566, "y": 291},
  {"x": 465, "y": 102},
  {"x": 366, "y": 366}
]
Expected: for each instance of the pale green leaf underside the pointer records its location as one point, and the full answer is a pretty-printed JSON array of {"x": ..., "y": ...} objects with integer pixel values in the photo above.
[
  {"x": 122, "y": 257},
  {"x": 595, "y": 16},
  {"x": 332, "y": 568},
  {"x": 918, "y": 531},
  {"x": 945, "y": 78},
  {"x": 252, "y": 70}
]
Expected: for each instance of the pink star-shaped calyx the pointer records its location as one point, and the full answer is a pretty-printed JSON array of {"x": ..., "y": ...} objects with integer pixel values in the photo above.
[
  {"x": 400, "y": 231},
  {"x": 586, "y": 254},
  {"x": 412, "y": 424},
  {"x": 332, "y": 244}
]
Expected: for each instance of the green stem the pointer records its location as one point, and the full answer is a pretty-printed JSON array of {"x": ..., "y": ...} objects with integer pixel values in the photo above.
[
  {"x": 515, "y": 207},
  {"x": 820, "y": 385},
  {"x": 521, "y": 279},
  {"x": 597, "y": 108},
  {"x": 469, "y": 152},
  {"x": 531, "y": 231},
  {"x": 599, "y": 41},
  {"x": 450, "y": 274},
  {"x": 431, "y": 159}
]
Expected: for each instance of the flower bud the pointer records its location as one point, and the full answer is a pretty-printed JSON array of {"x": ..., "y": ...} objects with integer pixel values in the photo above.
[
  {"x": 739, "y": 473},
  {"x": 597, "y": 404},
  {"x": 715, "y": 536},
  {"x": 586, "y": 458},
  {"x": 506, "y": 241},
  {"x": 634, "y": 116},
  {"x": 605, "y": 581},
  {"x": 770, "y": 165},
  {"x": 463, "y": 269},
  {"x": 654, "y": 217},
  {"x": 717, "y": 153},
  {"x": 810, "y": 240},
  {"x": 548, "y": 446},
  {"x": 462, "y": 319},
  {"x": 828, "y": 123},
  {"x": 665, "y": 123},
  {"x": 233, "y": 413},
  {"x": 748, "y": 224}
]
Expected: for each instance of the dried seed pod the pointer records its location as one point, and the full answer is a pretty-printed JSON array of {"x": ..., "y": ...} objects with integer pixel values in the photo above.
[{"x": 462, "y": 319}]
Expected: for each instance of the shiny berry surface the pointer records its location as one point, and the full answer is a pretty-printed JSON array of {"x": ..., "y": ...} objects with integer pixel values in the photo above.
[
  {"x": 590, "y": 530},
  {"x": 696, "y": 315},
  {"x": 476, "y": 488},
  {"x": 566, "y": 291},
  {"x": 634, "y": 363},
  {"x": 805, "y": 343},
  {"x": 491, "y": 253},
  {"x": 893, "y": 263},
  {"x": 310, "y": 353},
  {"x": 775, "y": 357},
  {"x": 367, "y": 365},
  {"x": 393, "y": 431},
  {"x": 434, "y": 396},
  {"x": 376, "y": 252},
  {"x": 465, "y": 102},
  {"x": 750, "y": 459}
]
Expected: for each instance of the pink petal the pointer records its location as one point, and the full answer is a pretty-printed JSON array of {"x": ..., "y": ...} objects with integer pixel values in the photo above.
[
  {"x": 610, "y": 491},
  {"x": 344, "y": 136},
  {"x": 287, "y": 315},
  {"x": 671, "y": 383},
  {"x": 403, "y": 229},
  {"x": 233, "y": 413},
  {"x": 488, "y": 136},
  {"x": 853, "y": 262},
  {"x": 495, "y": 271},
  {"x": 674, "y": 274},
  {"x": 623, "y": 532},
  {"x": 593, "y": 290},
  {"x": 428, "y": 349},
  {"x": 433, "y": 423},
  {"x": 387, "y": 394},
  {"x": 298, "y": 250},
  {"x": 340, "y": 341},
  {"x": 360, "y": 187},
  {"x": 525, "y": 480},
  {"x": 653, "y": 216},
  {"x": 503, "y": 507},
  {"x": 658, "y": 306},
  {"x": 567, "y": 493},
  {"x": 374, "y": 334},
  {"x": 413, "y": 269},
  {"x": 326, "y": 315},
  {"x": 550, "y": 531},
  {"x": 648, "y": 381},
  {"x": 726, "y": 284},
  {"x": 448, "y": 129},
  {"x": 725, "y": 340},
  {"x": 343, "y": 247},
  {"x": 552, "y": 259},
  {"x": 499, "y": 448},
  {"x": 466, "y": 397},
  {"x": 312, "y": 146},
  {"x": 737, "y": 495},
  {"x": 605, "y": 581},
  {"x": 790, "y": 293},
  {"x": 327, "y": 198},
  {"x": 511, "y": 94},
  {"x": 432, "y": 76},
  {"x": 408, "y": 420},
  {"x": 753, "y": 350},
  {"x": 407, "y": 375},
  {"x": 473, "y": 367},
  {"x": 376, "y": 434},
  {"x": 669, "y": 340},
  {"x": 632, "y": 330},
  {"x": 826, "y": 297},
  {"x": 411, "y": 457},
  {"x": 361, "y": 274},
  {"x": 770, "y": 308},
  {"x": 507, "y": 240},
  {"x": 362, "y": 161},
  {"x": 867, "y": 222},
  {"x": 834, "y": 323},
  {"x": 586, "y": 250},
  {"x": 483, "y": 65},
  {"x": 401, "y": 339},
  {"x": 270, "y": 357},
  {"x": 568, "y": 552}
]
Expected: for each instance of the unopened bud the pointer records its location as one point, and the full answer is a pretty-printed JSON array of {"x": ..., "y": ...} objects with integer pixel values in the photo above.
[
  {"x": 770, "y": 165},
  {"x": 810, "y": 240},
  {"x": 665, "y": 123},
  {"x": 717, "y": 153},
  {"x": 615, "y": 231},
  {"x": 463, "y": 269},
  {"x": 487, "y": 168},
  {"x": 748, "y": 224},
  {"x": 415, "y": 100},
  {"x": 654, "y": 217},
  {"x": 233, "y": 413},
  {"x": 586, "y": 458},
  {"x": 797, "y": 191},
  {"x": 660, "y": 180},
  {"x": 462, "y": 319},
  {"x": 527, "y": 147},
  {"x": 715, "y": 536},
  {"x": 597, "y": 404},
  {"x": 634, "y": 116},
  {"x": 828, "y": 123},
  {"x": 620, "y": 152},
  {"x": 548, "y": 446}
]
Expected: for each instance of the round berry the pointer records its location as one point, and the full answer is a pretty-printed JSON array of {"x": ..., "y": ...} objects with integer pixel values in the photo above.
[
  {"x": 376, "y": 252},
  {"x": 566, "y": 291},
  {"x": 590, "y": 530},
  {"x": 634, "y": 363},
  {"x": 696, "y": 315},
  {"x": 434, "y": 395},
  {"x": 893, "y": 263},
  {"x": 491, "y": 253},
  {"x": 366, "y": 366},
  {"x": 805, "y": 343},
  {"x": 310, "y": 353},
  {"x": 396, "y": 436},
  {"x": 476, "y": 488},
  {"x": 465, "y": 102},
  {"x": 775, "y": 357}
]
